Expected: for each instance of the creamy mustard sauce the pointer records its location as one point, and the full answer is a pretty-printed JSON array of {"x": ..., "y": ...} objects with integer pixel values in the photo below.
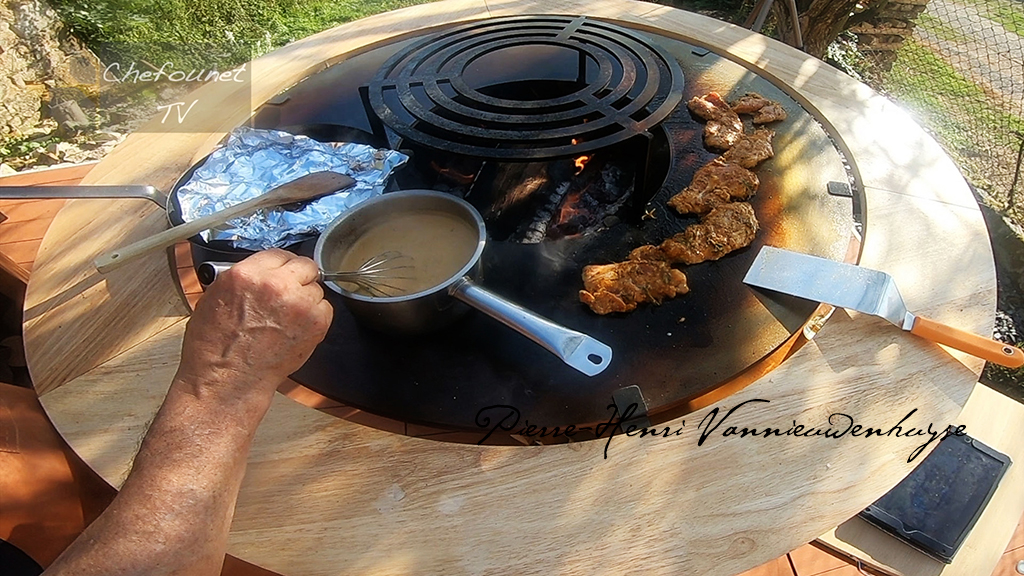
[{"x": 435, "y": 245}]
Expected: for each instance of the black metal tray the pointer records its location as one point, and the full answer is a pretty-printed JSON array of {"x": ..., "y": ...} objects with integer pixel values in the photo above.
[{"x": 934, "y": 508}]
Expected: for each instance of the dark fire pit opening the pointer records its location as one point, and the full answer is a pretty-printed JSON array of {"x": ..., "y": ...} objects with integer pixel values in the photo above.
[
  {"x": 583, "y": 91},
  {"x": 529, "y": 202}
]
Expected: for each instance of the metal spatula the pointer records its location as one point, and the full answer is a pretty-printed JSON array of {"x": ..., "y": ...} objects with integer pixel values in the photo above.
[{"x": 867, "y": 291}]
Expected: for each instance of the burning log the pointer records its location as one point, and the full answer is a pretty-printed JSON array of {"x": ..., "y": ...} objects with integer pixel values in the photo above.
[{"x": 518, "y": 182}]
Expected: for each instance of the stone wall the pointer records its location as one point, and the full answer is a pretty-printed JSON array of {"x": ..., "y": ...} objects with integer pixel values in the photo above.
[{"x": 37, "y": 56}]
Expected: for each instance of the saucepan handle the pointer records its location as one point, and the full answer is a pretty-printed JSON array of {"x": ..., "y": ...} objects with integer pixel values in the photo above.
[
  {"x": 72, "y": 192},
  {"x": 584, "y": 353}
]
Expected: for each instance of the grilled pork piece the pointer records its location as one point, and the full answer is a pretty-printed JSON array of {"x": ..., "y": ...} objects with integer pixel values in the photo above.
[
  {"x": 621, "y": 286},
  {"x": 717, "y": 182},
  {"x": 710, "y": 106},
  {"x": 763, "y": 109},
  {"x": 726, "y": 228},
  {"x": 749, "y": 103},
  {"x": 751, "y": 149},
  {"x": 773, "y": 112},
  {"x": 724, "y": 127},
  {"x": 649, "y": 253}
]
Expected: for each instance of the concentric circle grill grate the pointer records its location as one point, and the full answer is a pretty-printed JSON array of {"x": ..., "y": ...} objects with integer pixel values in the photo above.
[{"x": 423, "y": 95}]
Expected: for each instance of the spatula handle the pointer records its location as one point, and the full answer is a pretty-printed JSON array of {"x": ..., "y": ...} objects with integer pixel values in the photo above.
[
  {"x": 301, "y": 189},
  {"x": 985, "y": 348},
  {"x": 114, "y": 260}
]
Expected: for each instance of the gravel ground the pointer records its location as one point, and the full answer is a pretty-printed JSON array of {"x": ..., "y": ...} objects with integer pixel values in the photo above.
[{"x": 1008, "y": 249}]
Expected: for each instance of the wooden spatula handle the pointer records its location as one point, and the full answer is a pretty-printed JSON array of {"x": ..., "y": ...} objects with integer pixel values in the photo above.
[
  {"x": 304, "y": 188},
  {"x": 985, "y": 348},
  {"x": 117, "y": 258}
]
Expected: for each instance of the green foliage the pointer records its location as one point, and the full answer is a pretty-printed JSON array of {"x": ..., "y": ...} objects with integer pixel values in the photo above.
[
  {"x": 844, "y": 54},
  {"x": 19, "y": 146},
  {"x": 205, "y": 33}
]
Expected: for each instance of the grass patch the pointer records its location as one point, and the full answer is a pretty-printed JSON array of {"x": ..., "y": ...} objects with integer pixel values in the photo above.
[
  {"x": 1008, "y": 13},
  {"x": 314, "y": 16},
  {"x": 734, "y": 11},
  {"x": 940, "y": 29},
  {"x": 207, "y": 33},
  {"x": 964, "y": 118}
]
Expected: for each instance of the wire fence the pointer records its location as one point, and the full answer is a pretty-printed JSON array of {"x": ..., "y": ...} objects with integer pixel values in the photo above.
[{"x": 958, "y": 66}]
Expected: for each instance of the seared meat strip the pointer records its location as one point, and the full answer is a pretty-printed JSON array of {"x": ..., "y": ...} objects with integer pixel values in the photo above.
[
  {"x": 751, "y": 149},
  {"x": 710, "y": 106},
  {"x": 773, "y": 112},
  {"x": 722, "y": 135},
  {"x": 726, "y": 228},
  {"x": 749, "y": 103},
  {"x": 649, "y": 253},
  {"x": 717, "y": 182},
  {"x": 723, "y": 127},
  {"x": 763, "y": 109},
  {"x": 621, "y": 286}
]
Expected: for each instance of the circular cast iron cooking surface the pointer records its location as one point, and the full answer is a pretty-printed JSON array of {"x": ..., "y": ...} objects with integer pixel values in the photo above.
[
  {"x": 423, "y": 92},
  {"x": 682, "y": 349}
]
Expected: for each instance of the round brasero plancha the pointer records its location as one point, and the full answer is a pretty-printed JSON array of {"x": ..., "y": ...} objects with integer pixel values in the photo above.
[{"x": 672, "y": 353}]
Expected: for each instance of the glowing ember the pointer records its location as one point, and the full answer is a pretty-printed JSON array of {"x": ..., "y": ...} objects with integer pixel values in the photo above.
[
  {"x": 570, "y": 208},
  {"x": 581, "y": 162},
  {"x": 452, "y": 174}
]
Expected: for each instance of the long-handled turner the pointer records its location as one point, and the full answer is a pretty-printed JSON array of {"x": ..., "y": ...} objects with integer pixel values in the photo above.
[
  {"x": 301, "y": 189},
  {"x": 867, "y": 291}
]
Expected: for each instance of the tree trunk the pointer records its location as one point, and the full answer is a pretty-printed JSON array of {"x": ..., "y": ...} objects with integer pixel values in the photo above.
[{"x": 821, "y": 21}]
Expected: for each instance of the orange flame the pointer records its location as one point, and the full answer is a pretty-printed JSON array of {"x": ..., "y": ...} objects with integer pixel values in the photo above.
[
  {"x": 574, "y": 142},
  {"x": 581, "y": 162}
]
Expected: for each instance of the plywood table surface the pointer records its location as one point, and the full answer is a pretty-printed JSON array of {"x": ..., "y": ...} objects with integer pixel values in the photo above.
[{"x": 326, "y": 496}]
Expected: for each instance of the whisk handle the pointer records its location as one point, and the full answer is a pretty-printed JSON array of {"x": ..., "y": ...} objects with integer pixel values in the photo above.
[{"x": 208, "y": 271}]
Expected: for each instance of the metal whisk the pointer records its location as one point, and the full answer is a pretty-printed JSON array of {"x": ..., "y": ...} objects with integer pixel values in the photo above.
[{"x": 374, "y": 274}]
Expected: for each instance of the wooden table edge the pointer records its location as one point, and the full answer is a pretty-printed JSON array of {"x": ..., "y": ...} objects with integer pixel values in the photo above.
[{"x": 604, "y": 8}]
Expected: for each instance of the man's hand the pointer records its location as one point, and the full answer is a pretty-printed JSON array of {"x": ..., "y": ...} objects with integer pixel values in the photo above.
[{"x": 256, "y": 324}]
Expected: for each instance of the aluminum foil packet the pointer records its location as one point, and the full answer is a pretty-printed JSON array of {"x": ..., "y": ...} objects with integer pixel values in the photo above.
[{"x": 254, "y": 161}]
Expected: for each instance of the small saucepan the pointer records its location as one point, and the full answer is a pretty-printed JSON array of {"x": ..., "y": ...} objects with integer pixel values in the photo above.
[{"x": 417, "y": 223}]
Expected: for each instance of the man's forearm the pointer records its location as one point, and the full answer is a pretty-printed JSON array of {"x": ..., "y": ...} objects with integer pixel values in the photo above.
[
  {"x": 173, "y": 513},
  {"x": 256, "y": 324}
]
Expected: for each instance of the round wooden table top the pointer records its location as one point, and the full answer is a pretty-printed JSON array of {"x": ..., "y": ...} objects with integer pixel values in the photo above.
[{"x": 323, "y": 495}]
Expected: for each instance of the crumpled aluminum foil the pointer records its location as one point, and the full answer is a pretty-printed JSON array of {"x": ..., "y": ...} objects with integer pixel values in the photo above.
[{"x": 254, "y": 161}]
